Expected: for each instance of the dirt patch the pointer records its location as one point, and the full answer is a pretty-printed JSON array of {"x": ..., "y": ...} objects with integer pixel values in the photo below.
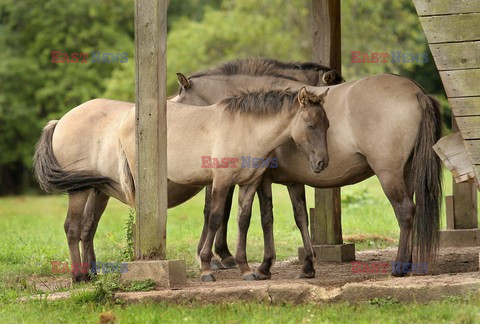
[
  {"x": 455, "y": 273},
  {"x": 50, "y": 283},
  {"x": 331, "y": 275}
]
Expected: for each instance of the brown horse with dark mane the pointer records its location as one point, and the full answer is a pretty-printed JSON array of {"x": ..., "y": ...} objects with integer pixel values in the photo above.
[{"x": 384, "y": 125}]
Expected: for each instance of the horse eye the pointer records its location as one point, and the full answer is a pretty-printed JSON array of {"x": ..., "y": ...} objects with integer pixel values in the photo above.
[{"x": 311, "y": 126}]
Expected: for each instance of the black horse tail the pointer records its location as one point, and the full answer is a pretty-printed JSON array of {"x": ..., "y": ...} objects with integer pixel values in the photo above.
[
  {"x": 50, "y": 175},
  {"x": 427, "y": 181}
]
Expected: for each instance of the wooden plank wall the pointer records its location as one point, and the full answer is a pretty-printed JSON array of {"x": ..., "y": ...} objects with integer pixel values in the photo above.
[{"x": 452, "y": 28}]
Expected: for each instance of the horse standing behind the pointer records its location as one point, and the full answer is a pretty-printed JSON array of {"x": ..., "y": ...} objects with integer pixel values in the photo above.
[{"x": 384, "y": 125}]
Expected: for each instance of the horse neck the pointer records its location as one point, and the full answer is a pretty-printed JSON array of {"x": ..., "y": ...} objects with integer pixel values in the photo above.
[{"x": 269, "y": 132}]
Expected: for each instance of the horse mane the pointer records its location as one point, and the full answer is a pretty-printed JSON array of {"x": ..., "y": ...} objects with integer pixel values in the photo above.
[
  {"x": 260, "y": 67},
  {"x": 260, "y": 102}
]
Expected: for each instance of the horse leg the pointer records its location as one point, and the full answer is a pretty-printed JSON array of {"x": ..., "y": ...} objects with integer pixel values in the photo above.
[
  {"x": 297, "y": 196},
  {"x": 217, "y": 203},
  {"x": 245, "y": 200},
  {"x": 216, "y": 264},
  {"x": 395, "y": 188},
  {"x": 221, "y": 246},
  {"x": 96, "y": 204},
  {"x": 264, "y": 193},
  {"x": 206, "y": 213},
  {"x": 73, "y": 227}
]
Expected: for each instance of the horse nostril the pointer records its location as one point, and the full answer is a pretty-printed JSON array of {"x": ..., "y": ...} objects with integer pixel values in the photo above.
[{"x": 320, "y": 165}]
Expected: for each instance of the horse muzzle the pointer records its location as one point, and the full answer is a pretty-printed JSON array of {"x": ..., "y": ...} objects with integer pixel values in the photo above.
[{"x": 318, "y": 165}]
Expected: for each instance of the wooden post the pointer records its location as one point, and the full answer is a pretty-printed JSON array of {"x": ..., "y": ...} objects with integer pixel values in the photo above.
[
  {"x": 461, "y": 212},
  {"x": 464, "y": 201},
  {"x": 327, "y": 38},
  {"x": 151, "y": 126},
  {"x": 151, "y": 149},
  {"x": 325, "y": 219}
]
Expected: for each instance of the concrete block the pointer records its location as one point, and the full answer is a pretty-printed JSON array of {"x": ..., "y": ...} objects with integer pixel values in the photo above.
[
  {"x": 331, "y": 253},
  {"x": 165, "y": 273},
  {"x": 460, "y": 237}
]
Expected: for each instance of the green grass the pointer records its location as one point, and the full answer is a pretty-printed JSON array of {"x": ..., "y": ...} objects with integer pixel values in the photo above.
[
  {"x": 31, "y": 231},
  {"x": 453, "y": 310}
]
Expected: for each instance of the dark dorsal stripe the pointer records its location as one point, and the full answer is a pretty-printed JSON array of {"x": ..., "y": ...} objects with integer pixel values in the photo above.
[
  {"x": 260, "y": 102},
  {"x": 260, "y": 67}
]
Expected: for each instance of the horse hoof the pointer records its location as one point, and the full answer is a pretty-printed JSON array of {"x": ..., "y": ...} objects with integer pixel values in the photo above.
[
  {"x": 262, "y": 276},
  {"x": 398, "y": 274},
  {"x": 229, "y": 262},
  {"x": 80, "y": 277},
  {"x": 215, "y": 264},
  {"x": 304, "y": 275},
  {"x": 250, "y": 277},
  {"x": 208, "y": 278}
]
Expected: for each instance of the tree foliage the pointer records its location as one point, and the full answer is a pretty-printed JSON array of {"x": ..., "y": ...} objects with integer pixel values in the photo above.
[{"x": 34, "y": 90}]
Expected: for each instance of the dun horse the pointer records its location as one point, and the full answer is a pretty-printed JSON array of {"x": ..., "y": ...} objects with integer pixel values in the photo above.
[
  {"x": 384, "y": 125},
  {"x": 68, "y": 160}
]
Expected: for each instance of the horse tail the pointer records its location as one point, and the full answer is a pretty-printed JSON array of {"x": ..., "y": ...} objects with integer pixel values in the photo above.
[
  {"x": 127, "y": 182},
  {"x": 50, "y": 175},
  {"x": 427, "y": 180}
]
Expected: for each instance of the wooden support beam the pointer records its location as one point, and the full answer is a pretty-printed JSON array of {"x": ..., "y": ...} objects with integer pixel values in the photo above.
[
  {"x": 327, "y": 229},
  {"x": 465, "y": 209},
  {"x": 465, "y": 205},
  {"x": 327, "y": 49},
  {"x": 327, "y": 38},
  {"x": 462, "y": 213},
  {"x": 325, "y": 219},
  {"x": 151, "y": 129}
]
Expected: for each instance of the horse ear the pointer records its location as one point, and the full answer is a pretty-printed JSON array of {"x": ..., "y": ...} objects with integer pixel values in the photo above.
[
  {"x": 329, "y": 77},
  {"x": 322, "y": 96},
  {"x": 183, "y": 81},
  {"x": 303, "y": 97}
]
